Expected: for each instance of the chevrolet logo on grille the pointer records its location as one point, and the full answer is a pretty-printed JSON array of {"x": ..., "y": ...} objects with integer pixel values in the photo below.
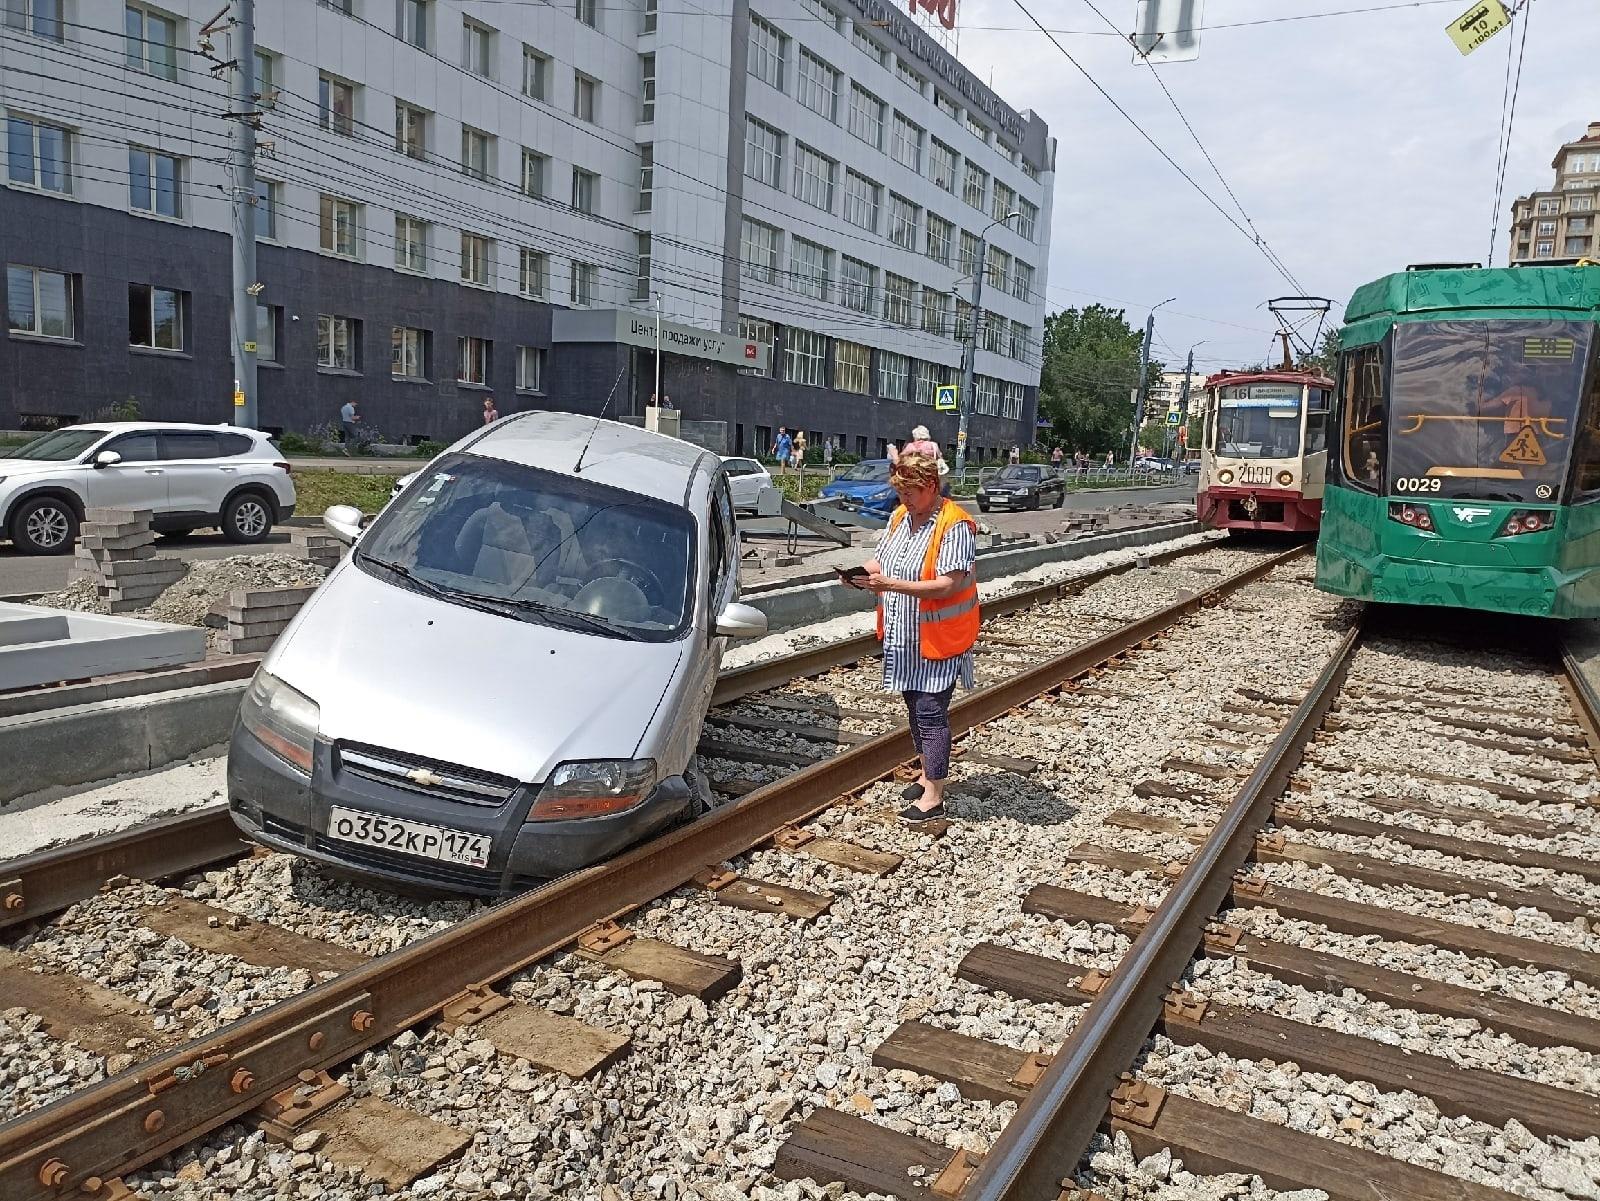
[{"x": 424, "y": 777}]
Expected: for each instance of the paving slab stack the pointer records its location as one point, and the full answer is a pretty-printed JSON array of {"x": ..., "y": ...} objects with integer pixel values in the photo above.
[
  {"x": 115, "y": 551},
  {"x": 316, "y": 546},
  {"x": 256, "y": 616}
]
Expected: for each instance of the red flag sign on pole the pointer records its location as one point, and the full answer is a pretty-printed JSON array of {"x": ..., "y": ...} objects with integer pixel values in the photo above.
[{"x": 945, "y": 10}]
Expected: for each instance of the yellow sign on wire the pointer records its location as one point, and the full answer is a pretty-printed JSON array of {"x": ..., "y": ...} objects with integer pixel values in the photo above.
[{"x": 1478, "y": 24}]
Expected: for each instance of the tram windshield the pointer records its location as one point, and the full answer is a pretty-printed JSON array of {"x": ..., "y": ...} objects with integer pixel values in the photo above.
[
  {"x": 1485, "y": 410},
  {"x": 1258, "y": 421}
]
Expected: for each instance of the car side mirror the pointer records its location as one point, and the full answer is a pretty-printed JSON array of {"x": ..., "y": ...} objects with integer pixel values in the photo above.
[
  {"x": 741, "y": 621},
  {"x": 107, "y": 458},
  {"x": 344, "y": 522}
]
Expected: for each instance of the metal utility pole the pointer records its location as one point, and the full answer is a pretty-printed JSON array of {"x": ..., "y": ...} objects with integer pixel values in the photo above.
[
  {"x": 245, "y": 288},
  {"x": 964, "y": 397},
  {"x": 1142, "y": 391},
  {"x": 656, "y": 396}
]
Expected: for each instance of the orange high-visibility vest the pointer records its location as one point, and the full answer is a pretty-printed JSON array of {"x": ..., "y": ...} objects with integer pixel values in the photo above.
[{"x": 946, "y": 627}]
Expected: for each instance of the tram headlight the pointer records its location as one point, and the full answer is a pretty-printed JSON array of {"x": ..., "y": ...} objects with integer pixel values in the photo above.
[
  {"x": 1225, "y": 476},
  {"x": 1285, "y": 478}
]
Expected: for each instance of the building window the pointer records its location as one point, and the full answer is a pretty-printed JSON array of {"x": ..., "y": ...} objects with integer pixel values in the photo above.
[
  {"x": 968, "y": 263},
  {"x": 408, "y": 353},
  {"x": 647, "y": 87},
  {"x": 267, "y": 209},
  {"x": 861, "y": 197},
  {"x": 999, "y": 270},
  {"x": 585, "y": 187},
  {"x": 651, "y": 15},
  {"x": 804, "y": 357},
  {"x": 976, "y": 184},
  {"x": 1546, "y": 228},
  {"x": 535, "y": 174},
  {"x": 942, "y": 166},
  {"x": 758, "y": 251},
  {"x": 986, "y": 395},
  {"x": 152, "y": 42},
  {"x": 155, "y": 317},
  {"x": 869, "y": 47},
  {"x": 1011, "y": 400},
  {"x": 477, "y": 46},
  {"x": 813, "y": 177},
  {"x": 763, "y": 153},
  {"x": 1018, "y": 341},
  {"x": 1022, "y": 280},
  {"x": 894, "y": 370},
  {"x": 474, "y": 152},
  {"x": 530, "y": 369},
  {"x": 902, "y": 222},
  {"x": 155, "y": 183},
  {"x": 587, "y": 11},
  {"x": 992, "y": 333},
  {"x": 340, "y": 225},
  {"x": 585, "y": 98},
  {"x": 265, "y": 74},
  {"x": 866, "y": 116},
  {"x": 928, "y": 377},
  {"x": 641, "y": 278},
  {"x": 337, "y": 341},
  {"x": 477, "y": 255},
  {"x": 905, "y": 147},
  {"x": 1005, "y": 200},
  {"x": 472, "y": 361},
  {"x": 39, "y": 155},
  {"x": 897, "y": 293},
  {"x": 1575, "y": 247},
  {"x": 977, "y": 128},
  {"x": 269, "y": 326},
  {"x": 941, "y": 234},
  {"x": 42, "y": 18},
  {"x": 1581, "y": 204},
  {"x": 584, "y": 283},
  {"x": 963, "y": 320},
  {"x": 908, "y": 76},
  {"x": 535, "y": 74},
  {"x": 39, "y": 302},
  {"x": 829, "y": 18},
  {"x": 851, "y": 361},
  {"x": 347, "y": 7},
  {"x": 857, "y": 283},
  {"x": 410, "y": 131},
  {"x": 336, "y": 105},
  {"x": 647, "y": 177},
  {"x": 1544, "y": 250},
  {"x": 1028, "y": 223},
  {"x": 946, "y": 106},
  {"x": 819, "y": 85},
  {"x": 410, "y": 243},
  {"x": 533, "y": 272},
  {"x": 411, "y": 22},
  {"x": 768, "y": 48},
  {"x": 1030, "y": 170},
  {"x": 934, "y": 303},
  {"x": 809, "y": 268}
]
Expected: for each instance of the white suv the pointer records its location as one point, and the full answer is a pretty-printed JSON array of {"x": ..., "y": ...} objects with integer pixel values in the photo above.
[{"x": 188, "y": 476}]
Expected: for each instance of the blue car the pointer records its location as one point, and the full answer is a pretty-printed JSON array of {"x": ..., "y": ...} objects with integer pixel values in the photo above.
[{"x": 865, "y": 486}]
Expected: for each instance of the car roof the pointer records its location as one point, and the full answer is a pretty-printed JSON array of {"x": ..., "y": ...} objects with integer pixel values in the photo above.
[
  {"x": 618, "y": 455},
  {"x": 123, "y": 427}
]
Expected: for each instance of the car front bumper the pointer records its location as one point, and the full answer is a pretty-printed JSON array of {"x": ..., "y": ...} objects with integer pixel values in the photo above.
[{"x": 280, "y": 807}]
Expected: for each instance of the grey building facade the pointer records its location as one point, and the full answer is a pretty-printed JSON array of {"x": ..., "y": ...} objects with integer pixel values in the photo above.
[{"x": 458, "y": 198}]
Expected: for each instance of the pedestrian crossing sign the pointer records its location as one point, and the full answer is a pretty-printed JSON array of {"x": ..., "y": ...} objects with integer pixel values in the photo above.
[{"x": 944, "y": 398}]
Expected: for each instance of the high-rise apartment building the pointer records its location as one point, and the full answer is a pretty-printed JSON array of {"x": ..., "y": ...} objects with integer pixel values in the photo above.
[
  {"x": 456, "y": 197},
  {"x": 1557, "y": 226}
]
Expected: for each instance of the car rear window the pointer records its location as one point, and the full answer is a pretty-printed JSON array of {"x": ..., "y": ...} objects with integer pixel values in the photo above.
[
  {"x": 234, "y": 444},
  {"x": 188, "y": 444}
]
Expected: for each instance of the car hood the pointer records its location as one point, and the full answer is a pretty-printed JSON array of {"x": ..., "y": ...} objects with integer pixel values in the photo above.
[
  {"x": 15, "y": 467},
  {"x": 397, "y": 669},
  {"x": 854, "y": 487}
]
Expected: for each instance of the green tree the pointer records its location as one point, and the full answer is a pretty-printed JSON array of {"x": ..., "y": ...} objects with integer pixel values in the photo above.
[
  {"x": 1326, "y": 355},
  {"x": 1090, "y": 367}
]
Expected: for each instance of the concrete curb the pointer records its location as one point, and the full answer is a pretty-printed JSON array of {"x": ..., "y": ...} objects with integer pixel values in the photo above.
[
  {"x": 790, "y": 607},
  {"x": 72, "y": 746}
]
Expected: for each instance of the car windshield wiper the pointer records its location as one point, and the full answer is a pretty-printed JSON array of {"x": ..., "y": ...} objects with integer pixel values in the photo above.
[
  {"x": 470, "y": 600},
  {"x": 570, "y": 617}
]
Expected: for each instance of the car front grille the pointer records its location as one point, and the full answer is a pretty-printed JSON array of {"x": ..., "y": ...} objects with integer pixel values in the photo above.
[{"x": 429, "y": 777}]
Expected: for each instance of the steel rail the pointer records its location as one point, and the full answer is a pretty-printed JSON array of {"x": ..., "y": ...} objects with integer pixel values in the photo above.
[
  {"x": 122, "y": 1123},
  {"x": 1581, "y": 692},
  {"x": 37, "y": 885},
  {"x": 1041, "y": 1146}
]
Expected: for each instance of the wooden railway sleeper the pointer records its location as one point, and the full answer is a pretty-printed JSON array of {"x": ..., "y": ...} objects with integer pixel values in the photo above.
[{"x": 952, "y": 1179}]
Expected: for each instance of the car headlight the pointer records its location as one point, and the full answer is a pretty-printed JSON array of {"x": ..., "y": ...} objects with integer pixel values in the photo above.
[
  {"x": 593, "y": 787},
  {"x": 883, "y": 494},
  {"x": 281, "y": 719}
]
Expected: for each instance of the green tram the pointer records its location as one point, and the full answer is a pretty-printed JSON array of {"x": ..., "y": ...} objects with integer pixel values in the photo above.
[{"x": 1465, "y": 464}]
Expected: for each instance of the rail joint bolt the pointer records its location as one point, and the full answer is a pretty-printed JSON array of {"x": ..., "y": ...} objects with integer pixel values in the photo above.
[
  {"x": 154, "y": 1121},
  {"x": 317, "y": 1041},
  {"x": 361, "y": 1021},
  {"x": 14, "y": 901},
  {"x": 243, "y": 1081},
  {"x": 53, "y": 1173}
]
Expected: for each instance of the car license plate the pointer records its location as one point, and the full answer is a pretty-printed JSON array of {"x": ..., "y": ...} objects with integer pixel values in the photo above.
[{"x": 408, "y": 837}]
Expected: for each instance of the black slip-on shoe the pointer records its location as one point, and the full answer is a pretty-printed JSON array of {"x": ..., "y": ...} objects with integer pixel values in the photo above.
[
  {"x": 913, "y": 791},
  {"x": 913, "y": 815}
]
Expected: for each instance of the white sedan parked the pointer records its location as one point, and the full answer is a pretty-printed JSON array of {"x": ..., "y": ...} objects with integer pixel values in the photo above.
[{"x": 746, "y": 479}]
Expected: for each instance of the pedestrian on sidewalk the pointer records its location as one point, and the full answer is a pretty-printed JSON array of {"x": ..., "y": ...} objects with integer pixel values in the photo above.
[
  {"x": 928, "y": 617},
  {"x": 348, "y": 417},
  {"x": 1015, "y": 456},
  {"x": 1055, "y": 459},
  {"x": 783, "y": 449},
  {"x": 800, "y": 451},
  {"x": 490, "y": 413}
]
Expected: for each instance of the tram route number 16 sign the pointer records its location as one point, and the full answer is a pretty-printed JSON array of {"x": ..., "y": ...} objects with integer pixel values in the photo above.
[{"x": 1477, "y": 25}]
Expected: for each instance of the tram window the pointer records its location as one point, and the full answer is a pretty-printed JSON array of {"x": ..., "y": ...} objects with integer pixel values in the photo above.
[
  {"x": 1586, "y": 454},
  {"x": 1316, "y": 431},
  {"x": 1366, "y": 418}
]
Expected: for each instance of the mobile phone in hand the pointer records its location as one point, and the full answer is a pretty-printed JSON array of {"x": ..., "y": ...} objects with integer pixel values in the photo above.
[{"x": 856, "y": 577}]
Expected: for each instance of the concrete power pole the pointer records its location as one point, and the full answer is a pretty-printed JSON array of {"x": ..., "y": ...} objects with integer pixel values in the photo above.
[
  {"x": 967, "y": 378},
  {"x": 245, "y": 106},
  {"x": 1144, "y": 369}
]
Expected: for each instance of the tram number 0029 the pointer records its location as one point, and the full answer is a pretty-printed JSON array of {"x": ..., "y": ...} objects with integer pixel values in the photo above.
[{"x": 1417, "y": 484}]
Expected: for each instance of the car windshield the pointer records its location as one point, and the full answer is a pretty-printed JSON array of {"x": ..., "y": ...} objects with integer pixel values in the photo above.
[
  {"x": 1020, "y": 475},
  {"x": 539, "y": 546},
  {"x": 1485, "y": 407},
  {"x": 58, "y": 446},
  {"x": 867, "y": 473},
  {"x": 1258, "y": 421}
]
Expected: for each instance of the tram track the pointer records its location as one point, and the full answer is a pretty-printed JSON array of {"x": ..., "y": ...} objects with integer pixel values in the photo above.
[{"x": 820, "y": 786}]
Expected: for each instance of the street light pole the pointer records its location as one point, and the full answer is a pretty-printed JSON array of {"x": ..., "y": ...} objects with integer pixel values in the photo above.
[
  {"x": 1144, "y": 370},
  {"x": 245, "y": 287},
  {"x": 1183, "y": 402},
  {"x": 964, "y": 397},
  {"x": 656, "y": 396}
]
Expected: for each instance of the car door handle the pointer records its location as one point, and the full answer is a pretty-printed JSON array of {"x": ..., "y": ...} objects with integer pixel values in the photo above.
[
  {"x": 229, "y": 470},
  {"x": 152, "y": 470}
]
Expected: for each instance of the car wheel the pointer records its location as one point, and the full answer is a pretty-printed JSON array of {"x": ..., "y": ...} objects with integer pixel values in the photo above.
[
  {"x": 45, "y": 526},
  {"x": 983, "y": 506},
  {"x": 1036, "y": 501},
  {"x": 247, "y": 517},
  {"x": 1061, "y": 498}
]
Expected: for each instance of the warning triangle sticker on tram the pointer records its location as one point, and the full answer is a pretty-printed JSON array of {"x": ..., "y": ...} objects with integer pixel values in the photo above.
[{"x": 1524, "y": 449}]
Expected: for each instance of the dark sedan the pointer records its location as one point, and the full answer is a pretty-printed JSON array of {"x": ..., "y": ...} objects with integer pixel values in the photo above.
[{"x": 1023, "y": 486}]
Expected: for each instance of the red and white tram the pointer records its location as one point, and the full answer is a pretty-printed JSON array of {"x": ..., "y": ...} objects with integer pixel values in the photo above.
[{"x": 1264, "y": 450}]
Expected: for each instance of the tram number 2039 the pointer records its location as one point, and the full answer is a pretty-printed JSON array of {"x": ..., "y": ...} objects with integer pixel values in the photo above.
[{"x": 1417, "y": 484}]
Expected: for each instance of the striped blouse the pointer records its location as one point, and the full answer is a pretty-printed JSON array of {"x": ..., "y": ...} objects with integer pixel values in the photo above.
[{"x": 902, "y": 553}]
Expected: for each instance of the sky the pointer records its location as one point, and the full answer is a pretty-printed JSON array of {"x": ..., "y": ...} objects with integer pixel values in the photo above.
[{"x": 1357, "y": 144}]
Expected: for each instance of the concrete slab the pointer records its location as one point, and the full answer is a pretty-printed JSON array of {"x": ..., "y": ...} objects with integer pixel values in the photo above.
[{"x": 46, "y": 646}]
